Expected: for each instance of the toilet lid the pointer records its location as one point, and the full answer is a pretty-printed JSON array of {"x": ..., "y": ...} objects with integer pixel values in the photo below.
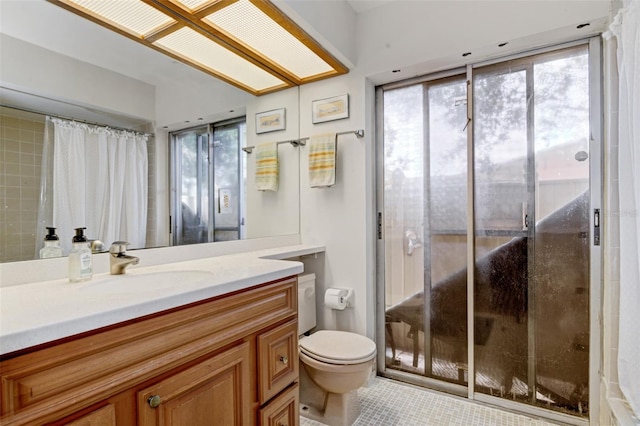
[{"x": 338, "y": 347}]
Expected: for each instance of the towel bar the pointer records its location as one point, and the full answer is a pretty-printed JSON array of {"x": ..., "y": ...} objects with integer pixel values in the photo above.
[{"x": 303, "y": 141}]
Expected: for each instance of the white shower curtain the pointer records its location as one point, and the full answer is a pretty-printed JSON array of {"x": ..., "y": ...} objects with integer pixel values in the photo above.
[
  {"x": 96, "y": 178},
  {"x": 626, "y": 29}
]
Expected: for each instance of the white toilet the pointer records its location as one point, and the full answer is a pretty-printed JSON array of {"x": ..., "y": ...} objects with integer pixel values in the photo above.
[{"x": 333, "y": 364}]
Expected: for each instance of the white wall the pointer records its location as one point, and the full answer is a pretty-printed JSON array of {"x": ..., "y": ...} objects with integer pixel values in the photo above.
[
  {"x": 25, "y": 67},
  {"x": 336, "y": 216},
  {"x": 274, "y": 212}
]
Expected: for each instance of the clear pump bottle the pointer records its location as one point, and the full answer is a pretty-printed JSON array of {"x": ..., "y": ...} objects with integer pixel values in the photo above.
[
  {"x": 80, "y": 260},
  {"x": 51, "y": 245}
]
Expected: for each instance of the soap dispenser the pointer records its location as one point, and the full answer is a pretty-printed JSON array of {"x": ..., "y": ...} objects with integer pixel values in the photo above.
[
  {"x": 80, "y": 261},
  {"x": 51, "y": 245}
]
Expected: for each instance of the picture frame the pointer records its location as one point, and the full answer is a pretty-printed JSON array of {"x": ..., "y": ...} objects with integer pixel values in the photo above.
[
  {"x": 329, "y": 109},
  {"x": 270, "y": 121}
]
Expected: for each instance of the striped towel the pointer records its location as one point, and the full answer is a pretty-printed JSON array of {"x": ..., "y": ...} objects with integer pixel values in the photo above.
[
  {"x": 267, "y": 167},
  {"x": 322, "y": 160}
]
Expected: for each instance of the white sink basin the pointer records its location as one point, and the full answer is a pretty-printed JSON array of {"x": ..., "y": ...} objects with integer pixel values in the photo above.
[{"x": 136, "y": 281}]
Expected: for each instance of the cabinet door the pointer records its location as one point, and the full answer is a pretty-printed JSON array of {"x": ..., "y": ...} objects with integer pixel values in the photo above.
[
  {"x": 277, "y": 360},
  {"x": 283, "y": 410},
  {"x": 105, "y": 416},
  {"x": 214, "y": 392}
]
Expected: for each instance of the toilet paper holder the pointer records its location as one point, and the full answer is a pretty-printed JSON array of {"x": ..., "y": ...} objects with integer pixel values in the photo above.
[{"x": 339, "y": 298}]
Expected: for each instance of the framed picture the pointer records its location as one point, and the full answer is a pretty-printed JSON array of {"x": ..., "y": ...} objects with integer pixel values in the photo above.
[
  {"x": 270, "y": 121},
  {"x": 330, "y": 109}
]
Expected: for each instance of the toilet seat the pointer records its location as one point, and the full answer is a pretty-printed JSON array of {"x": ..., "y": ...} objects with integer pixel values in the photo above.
[{"x": 338, "y": 347}]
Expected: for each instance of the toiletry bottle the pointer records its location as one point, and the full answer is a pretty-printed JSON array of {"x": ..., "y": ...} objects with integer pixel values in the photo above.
[
  {"x": 51, "y": 245},
  {"x": 80, "y": 262}
]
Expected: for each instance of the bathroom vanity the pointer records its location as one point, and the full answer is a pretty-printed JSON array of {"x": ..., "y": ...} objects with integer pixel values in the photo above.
[{"x": 232, "y": 356}]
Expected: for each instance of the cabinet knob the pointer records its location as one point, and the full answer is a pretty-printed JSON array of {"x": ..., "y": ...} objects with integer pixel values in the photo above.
[
  {"x": 284, "y": 359},
  {"x": 154, "y": 401}
]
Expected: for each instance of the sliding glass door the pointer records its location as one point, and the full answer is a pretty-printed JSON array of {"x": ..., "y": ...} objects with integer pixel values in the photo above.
[
  {"x": 207, "y": 182},
  {"x": 531, "y": 145},
  {"x": 487, "y": 235}
]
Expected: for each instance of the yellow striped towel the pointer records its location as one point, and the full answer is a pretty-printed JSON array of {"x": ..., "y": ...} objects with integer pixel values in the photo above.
[
  {"x": 267, "y": 167},
  {"x": 322, "y": 160}
]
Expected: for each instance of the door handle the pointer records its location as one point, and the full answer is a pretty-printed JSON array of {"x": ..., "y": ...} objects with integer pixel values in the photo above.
[
  {"x": 412, "y": 242},
  {"x": 525, "y": 217},
  {"x": 596, "y": 227}
]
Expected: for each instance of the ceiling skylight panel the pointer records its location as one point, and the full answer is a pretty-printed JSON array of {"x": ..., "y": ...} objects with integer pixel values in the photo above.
[
  {"x": 248, "y": 43},
  {"x": 196, "y": 48},
  {"x": 192, "y": 5},
  {"x": 252, "y": 27},
  {"x": 133, "y": 16}
]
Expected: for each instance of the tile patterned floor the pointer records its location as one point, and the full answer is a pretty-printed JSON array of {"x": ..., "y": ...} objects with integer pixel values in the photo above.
[{"x": 387, "y": 403}]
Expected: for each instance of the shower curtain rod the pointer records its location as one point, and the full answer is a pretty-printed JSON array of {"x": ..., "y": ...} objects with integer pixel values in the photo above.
[
  {"x": 32, "y": 111},
  {"x": 303, "y": 141}
]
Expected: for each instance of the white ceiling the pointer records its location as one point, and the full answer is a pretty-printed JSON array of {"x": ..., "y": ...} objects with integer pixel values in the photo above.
[{"x": 360, "y": 6}]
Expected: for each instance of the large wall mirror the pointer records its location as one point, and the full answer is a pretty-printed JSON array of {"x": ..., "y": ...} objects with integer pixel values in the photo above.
[{"x": 54, "y": 63}]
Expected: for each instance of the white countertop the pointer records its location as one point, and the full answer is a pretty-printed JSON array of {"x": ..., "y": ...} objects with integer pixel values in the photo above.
[{"x": 36, "y": 313}]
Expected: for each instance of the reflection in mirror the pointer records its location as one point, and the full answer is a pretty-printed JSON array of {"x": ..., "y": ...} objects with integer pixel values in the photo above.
[
  {"x": 55, "y": 63},
  {"x": 65, "y": 174},
  {"x": 234, "y": 210},
  {"x": 206, "y": 178},
  {"x": 96, "y": 178}
]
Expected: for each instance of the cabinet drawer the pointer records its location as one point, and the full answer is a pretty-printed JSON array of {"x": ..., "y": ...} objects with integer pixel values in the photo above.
[
  {"x": 277, "y": 360},
  {"x": 283, "y": 410}
]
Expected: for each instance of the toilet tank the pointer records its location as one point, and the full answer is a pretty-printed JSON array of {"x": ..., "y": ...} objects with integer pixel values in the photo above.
[{"x": 306, "y": 303}]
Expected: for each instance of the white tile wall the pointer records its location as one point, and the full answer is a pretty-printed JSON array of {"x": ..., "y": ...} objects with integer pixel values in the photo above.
[{"x": 21, "y": 138}]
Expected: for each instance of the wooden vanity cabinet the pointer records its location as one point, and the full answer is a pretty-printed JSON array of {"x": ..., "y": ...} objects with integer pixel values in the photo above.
[
  {"x": 105, "y": 416},
  {"x": 230, "y": 360}
]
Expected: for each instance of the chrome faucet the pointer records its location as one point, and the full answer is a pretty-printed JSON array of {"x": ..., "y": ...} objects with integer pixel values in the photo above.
[
  {"x": 119, "y": 260},
  {"x": 97, "y": 246}
]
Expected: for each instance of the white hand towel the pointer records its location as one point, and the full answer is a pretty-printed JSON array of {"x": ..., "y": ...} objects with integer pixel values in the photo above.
[
  {"x": 267, "y": 167},
  {"x": 322, "y": 160}
]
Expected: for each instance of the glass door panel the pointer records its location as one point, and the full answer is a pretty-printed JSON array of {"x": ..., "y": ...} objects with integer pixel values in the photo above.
[
  {"x": 404, "y": 174},
  {"x": 446, "y": 230},
  {"x": 227, "y": 141},
  {"x": 561, "y": 250},
  {"x": 425, "y": 161},
  {"x": 191, "y": 186},
  {"x": 501, "y": 203},
  {"x": 531, "y": 218}
]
